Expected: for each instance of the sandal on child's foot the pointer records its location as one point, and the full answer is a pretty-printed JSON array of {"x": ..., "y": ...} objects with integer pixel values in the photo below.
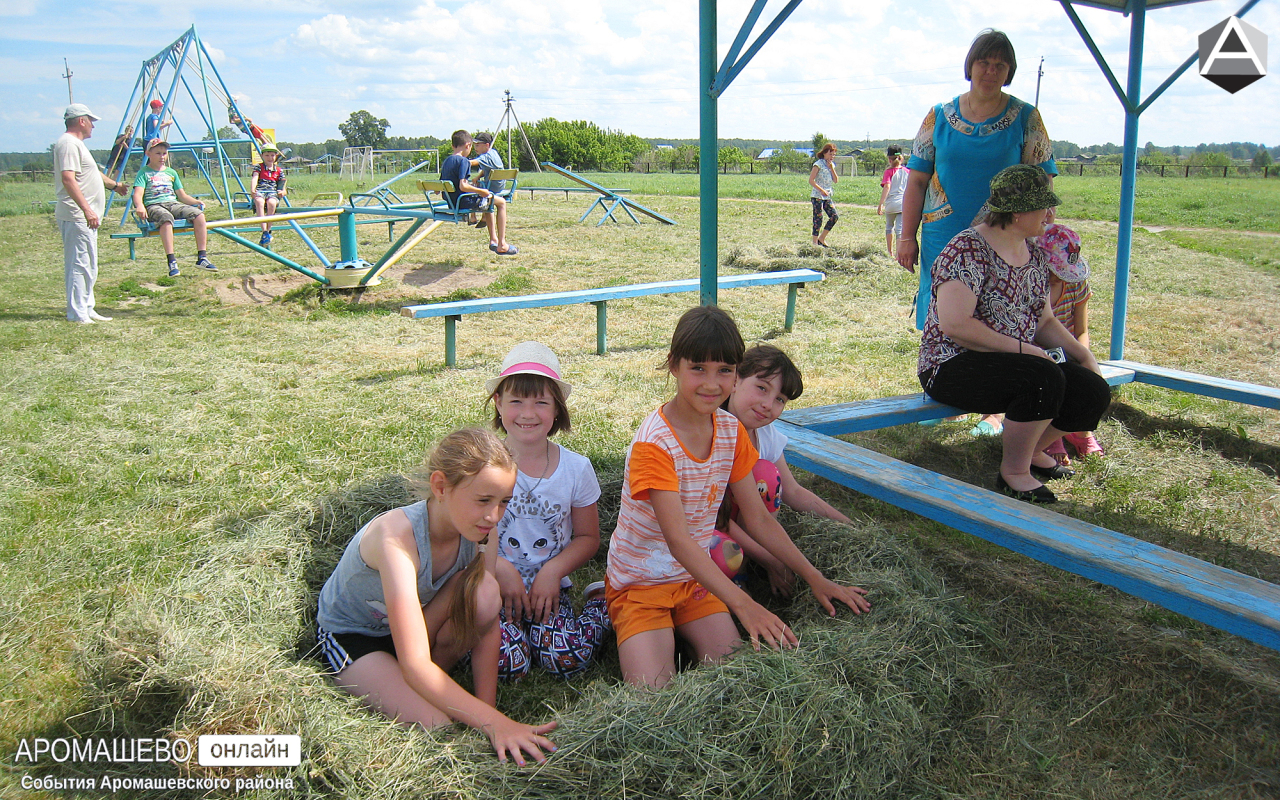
[
  {"x": 985, "y": 428},
  {"x": 1058, "y": 453},
  {"x": 1084, "y": 443}
]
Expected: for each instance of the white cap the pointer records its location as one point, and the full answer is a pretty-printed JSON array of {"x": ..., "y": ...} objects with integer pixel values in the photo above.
[{"x": 79, "y": 110}]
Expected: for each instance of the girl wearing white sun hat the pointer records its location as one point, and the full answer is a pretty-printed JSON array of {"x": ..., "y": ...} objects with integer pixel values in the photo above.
[{"x": 551, "y": 527}]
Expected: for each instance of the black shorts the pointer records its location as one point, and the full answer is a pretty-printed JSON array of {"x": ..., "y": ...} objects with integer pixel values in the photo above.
[{"x": 341, "y": 650}]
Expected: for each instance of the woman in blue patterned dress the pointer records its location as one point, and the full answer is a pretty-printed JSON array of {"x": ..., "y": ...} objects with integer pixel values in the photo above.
[{"x": 961, "y": 146}]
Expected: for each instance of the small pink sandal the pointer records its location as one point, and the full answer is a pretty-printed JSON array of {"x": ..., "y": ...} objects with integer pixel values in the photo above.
[
  {"x": 1059, "y": 453},
  {"x": 1084, "y": 443}
]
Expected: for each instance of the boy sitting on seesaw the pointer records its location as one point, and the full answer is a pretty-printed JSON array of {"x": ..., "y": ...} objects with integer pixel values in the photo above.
[
  {"x": 469, "y": 197},
  {"x": 661, "y": 581},
  {"x": 156, "y": 194}
]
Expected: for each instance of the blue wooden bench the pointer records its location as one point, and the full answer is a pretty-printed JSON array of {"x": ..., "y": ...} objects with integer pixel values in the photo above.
[
  {"x": 886, "y": 412},
  {"x": 567, "y": 190},
  {"x": 1207, "y": 385},
  {"x": 1216, "y": 596},
  {"x": 795, "y": 279}
]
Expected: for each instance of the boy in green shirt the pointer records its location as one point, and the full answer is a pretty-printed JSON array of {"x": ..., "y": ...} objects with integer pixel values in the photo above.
[{"x": 158, "y": 197}]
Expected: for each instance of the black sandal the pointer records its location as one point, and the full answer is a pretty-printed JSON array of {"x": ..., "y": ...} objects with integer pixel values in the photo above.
[
  {"x": 1040, "y": 494},
  {"x": 1054, "y": 473}
]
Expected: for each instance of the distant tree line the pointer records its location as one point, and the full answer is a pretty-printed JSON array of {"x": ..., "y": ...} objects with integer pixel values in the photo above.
[
  {"x": 583, "y": 145},
  {"x": 1203, "y": 154}
]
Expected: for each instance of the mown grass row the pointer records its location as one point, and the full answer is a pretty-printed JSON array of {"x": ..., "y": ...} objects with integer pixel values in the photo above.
[{"x": 175, "y": 485}]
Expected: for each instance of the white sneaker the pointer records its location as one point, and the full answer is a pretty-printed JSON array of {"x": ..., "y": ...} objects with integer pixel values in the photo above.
[
  {"x": 593, "y": 588},
  {"x": 94, "y": 315}
]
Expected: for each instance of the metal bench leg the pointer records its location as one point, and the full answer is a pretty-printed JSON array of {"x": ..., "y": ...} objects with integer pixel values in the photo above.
[
  {"x": 599, "y": 202},
  {"x": 451, "y": 341},
  {"x": 790, "y": 322},
  {"x": 133, "y": 253},
  {"x": 608, "y": 214},
  {"x": 602, "y": 323}
]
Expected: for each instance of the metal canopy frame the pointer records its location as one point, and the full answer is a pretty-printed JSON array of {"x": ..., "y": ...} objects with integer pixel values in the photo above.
[
  {"x": 1136, "y": 10},
  {"x": 713, "y": 81}
]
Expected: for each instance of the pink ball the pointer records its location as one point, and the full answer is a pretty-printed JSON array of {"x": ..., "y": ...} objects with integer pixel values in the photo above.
[
  {"x": 726, "y": 553},
  {"x": 769, "y": 484}
]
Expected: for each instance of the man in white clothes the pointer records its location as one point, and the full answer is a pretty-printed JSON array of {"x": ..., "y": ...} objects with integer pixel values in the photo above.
[{"x": 81, "y": 190}]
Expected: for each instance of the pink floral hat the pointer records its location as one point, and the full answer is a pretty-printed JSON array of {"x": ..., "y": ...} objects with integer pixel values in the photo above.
[{"x": 1063, "y": 245}]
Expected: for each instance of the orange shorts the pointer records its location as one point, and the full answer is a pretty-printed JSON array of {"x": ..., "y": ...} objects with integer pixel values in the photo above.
[{"x": 636, "y": 609}]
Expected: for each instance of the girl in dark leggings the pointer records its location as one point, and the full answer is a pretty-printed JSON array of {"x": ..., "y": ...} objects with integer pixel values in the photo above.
[{"x": 823, "y": 180}]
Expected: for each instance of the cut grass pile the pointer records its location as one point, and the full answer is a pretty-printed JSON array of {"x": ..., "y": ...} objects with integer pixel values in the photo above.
[
  {"x": 862, "y": 705},
  {"x": 176, "y": 485}
]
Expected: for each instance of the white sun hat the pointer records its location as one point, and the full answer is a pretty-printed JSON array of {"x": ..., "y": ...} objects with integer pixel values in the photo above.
[{"x": 529, "y": 358}]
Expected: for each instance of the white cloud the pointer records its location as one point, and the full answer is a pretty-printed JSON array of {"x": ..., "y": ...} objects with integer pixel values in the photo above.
[{"x": 846, "y": 67}]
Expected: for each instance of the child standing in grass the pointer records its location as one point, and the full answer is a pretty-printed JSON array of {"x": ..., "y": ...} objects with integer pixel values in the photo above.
[
  {"x": 661, "y": 581},
  {"x": 822, "y": 179},
  {"x": 414, "y": 591},
  {"x": 552, "y": 525},
  {"x": 1069, "y": 295},
  {"x": 894, "y": 183},
  {"x": 767, "y": 381}
]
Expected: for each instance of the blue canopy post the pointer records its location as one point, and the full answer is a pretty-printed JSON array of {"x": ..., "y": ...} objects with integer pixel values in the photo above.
[
  {"x": 1137, "y": 11},
  {"x": 711, "y": 84}
]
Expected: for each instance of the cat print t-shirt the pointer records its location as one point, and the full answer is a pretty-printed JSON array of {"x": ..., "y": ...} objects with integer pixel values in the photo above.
[{"x": 538, "y": 522}]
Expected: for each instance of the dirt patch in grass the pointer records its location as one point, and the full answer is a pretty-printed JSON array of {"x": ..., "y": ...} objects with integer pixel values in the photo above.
[{"x": 429, "y": 279}]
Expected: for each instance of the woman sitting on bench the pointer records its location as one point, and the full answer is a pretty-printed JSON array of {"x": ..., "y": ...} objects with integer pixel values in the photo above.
[{"x": 992, "y": 344}]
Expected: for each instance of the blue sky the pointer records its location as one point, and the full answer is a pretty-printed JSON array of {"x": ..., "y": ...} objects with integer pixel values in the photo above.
[{"x": 847, "y": 68}]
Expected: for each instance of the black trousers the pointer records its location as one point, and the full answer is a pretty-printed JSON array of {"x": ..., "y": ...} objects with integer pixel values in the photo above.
[{"x": 1024, "y": 388}]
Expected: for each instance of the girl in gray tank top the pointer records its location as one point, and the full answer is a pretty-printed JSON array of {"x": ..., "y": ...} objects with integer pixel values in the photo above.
[{"x": 414, "y": 592}]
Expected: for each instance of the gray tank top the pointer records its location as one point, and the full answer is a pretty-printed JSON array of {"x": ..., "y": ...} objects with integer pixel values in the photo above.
[{"x": 352, "y": 600}]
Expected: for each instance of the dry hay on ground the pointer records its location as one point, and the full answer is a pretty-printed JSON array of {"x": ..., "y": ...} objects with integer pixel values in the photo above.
[{"x": 410, "y": 280}]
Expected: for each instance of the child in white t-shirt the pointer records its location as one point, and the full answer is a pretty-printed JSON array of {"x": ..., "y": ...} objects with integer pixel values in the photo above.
[
  {"x": 767, "y": 381},
  {"x": 551, "y": 527},
  {"x": 894, "y": 182}
]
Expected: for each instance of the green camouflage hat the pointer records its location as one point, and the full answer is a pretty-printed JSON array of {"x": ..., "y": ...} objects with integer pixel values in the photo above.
[{"x": 1022, "y": 187}]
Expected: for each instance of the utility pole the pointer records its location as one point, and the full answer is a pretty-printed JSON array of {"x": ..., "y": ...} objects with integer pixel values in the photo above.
[
  {"x": 1039, "y": 75},
  {"x": 67, "y": 74},
  {"x": 509, "y": 114},
  {"x": 507, "y": 102}
]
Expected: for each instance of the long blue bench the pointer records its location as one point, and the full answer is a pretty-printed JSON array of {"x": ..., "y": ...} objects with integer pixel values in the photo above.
[
  {"x": 886, "y": 412},
  {"x": 567, "y": 190},
  {"x": 1216, "y": 596},
  {"x": 1207, "y": 385},
  {"x": 452, "y": 312}
]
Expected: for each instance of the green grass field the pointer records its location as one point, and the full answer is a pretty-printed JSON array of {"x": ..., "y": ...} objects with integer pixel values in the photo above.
[{"x": 175, "y": 485}]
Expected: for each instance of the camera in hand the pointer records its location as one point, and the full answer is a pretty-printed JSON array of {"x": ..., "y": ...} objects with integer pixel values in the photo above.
[{"x": 1056, "y": 354}]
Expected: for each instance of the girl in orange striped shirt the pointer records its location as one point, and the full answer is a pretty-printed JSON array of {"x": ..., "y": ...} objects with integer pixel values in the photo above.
[{"x": 661, "y": 582}]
